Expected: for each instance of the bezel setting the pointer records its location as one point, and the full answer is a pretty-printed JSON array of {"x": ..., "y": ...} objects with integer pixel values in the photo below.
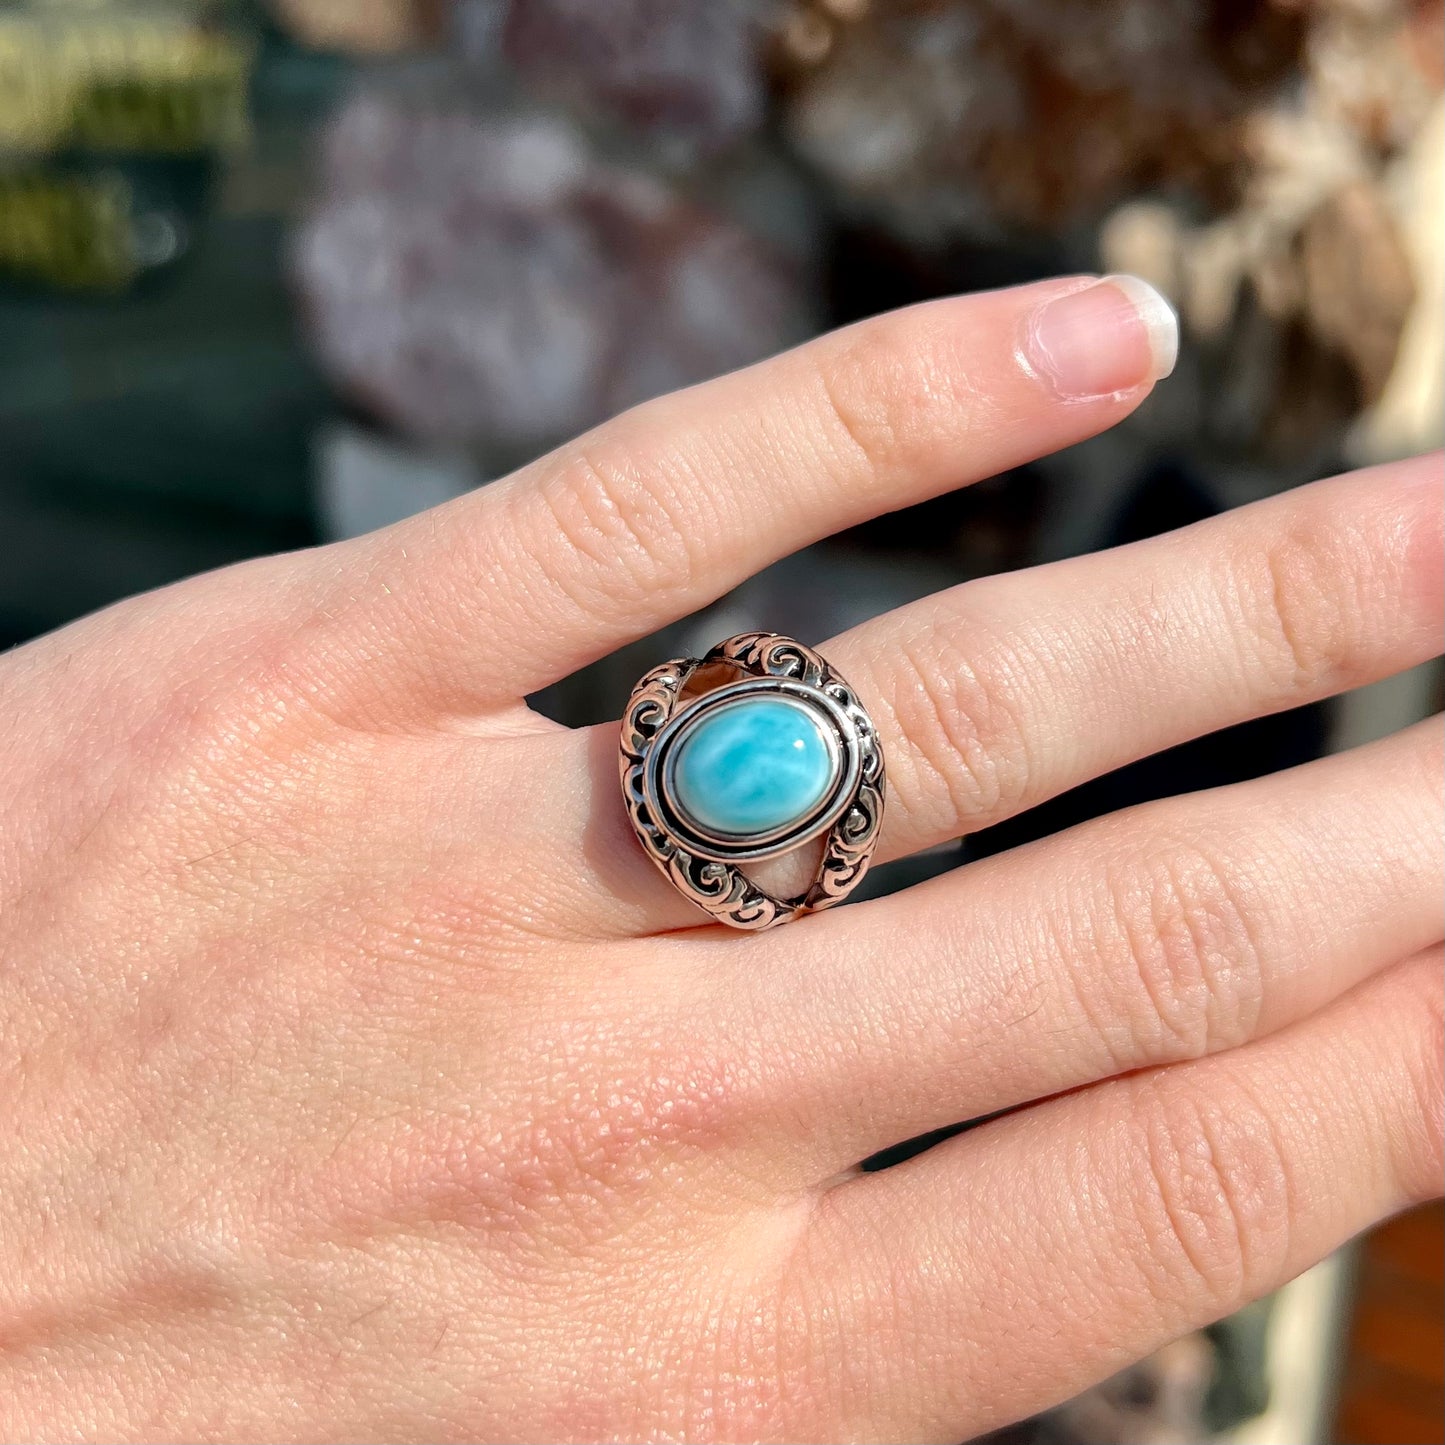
[{"x": 703, "y": 863}]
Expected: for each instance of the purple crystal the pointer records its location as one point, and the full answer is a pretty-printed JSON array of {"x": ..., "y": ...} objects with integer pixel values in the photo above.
[
  {"x": 689, "y": 69},
  {"x": 488, "y": 280}
]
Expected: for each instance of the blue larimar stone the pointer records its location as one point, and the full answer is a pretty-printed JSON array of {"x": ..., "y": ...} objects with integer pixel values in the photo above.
[{"x": 752, "y": 766}]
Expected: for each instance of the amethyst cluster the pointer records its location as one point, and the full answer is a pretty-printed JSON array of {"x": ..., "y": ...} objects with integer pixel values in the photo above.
[
  {"x": 588, "y": 202},
  {"x": 487, "y": 278}
]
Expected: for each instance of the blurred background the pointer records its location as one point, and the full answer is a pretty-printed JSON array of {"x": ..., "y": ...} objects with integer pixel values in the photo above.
[{"x": 278, "y": 271}]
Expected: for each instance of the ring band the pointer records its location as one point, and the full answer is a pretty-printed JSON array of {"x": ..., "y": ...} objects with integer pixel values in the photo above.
[{"x": 744, "y": 755}]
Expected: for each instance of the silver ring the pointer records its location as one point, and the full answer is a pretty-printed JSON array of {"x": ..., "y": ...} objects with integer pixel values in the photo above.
[{"x": 751, "y": 752}]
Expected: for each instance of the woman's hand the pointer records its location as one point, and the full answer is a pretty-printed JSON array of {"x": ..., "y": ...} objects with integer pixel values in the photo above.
[{"x": 360, "y": 1078}]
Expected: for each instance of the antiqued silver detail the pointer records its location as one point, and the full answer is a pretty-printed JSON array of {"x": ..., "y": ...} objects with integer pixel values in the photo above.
[{"x": 705, "y": 867}]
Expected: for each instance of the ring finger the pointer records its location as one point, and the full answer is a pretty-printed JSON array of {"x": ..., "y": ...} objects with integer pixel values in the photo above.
[
  {"x": 1166, "y": 932},
  {"x": 1005, "y": 1270}
]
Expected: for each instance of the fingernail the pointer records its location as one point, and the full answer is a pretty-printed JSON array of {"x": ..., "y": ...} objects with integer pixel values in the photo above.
[{"x": 1112, "y": 336}]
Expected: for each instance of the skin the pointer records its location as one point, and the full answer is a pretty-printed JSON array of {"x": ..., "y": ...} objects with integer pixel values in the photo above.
[{"x": 361, "y": 1080}]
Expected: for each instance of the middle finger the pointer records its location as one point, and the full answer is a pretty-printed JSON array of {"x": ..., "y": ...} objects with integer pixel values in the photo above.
[{"x": 999, "y": 694}]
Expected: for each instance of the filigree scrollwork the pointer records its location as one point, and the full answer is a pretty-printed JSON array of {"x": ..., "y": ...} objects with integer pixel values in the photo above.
[{"x": 712, "y": 877}]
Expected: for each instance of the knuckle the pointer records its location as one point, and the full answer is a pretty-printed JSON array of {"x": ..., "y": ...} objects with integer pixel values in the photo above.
[
  {"x": 1215, "y": 1193},
  {"x": 959, "y": 711},
  {"x": 560, "y": 1155},
  {"x": 618, "y": 520},
  {"x": 1188, "y": 927},
  {"x": 888, "y": 395},
  {"x": 244, "y": 739},
  {"x": 1305, "y": 594}
]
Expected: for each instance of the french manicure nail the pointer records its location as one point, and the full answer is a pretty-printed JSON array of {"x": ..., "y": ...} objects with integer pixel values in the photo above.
[{"x": 1115, "y": 335}]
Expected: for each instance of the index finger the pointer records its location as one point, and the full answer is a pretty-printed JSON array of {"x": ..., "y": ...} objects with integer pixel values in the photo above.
[{"x": 669, "y": 506}]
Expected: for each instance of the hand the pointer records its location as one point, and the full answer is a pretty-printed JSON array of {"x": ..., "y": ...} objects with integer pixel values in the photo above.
[{"x": 362, "y": 1080}]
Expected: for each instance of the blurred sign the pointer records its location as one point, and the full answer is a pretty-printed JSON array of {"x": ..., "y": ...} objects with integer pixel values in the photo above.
[{"x": 113, "y": 115}]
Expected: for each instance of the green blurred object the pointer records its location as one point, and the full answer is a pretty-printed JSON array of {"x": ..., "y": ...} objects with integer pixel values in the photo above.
[
  {"x": 157, "y": 406},
  {"x": 113, "y": 119}
]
